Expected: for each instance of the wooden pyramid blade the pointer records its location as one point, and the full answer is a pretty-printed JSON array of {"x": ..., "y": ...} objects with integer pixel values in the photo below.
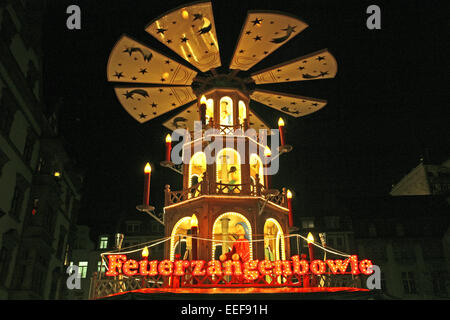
[
  {"x": 293, "y": 105},
  {"x": 255, "y": 122},
  {"x": 146, "y": 103},
  {"x": 317, "y": 65},
  {"x": 191, "y": 33},
  {"x": 263, "y": 33},
  {"x": 133, "y": 62},
  {"x": 184, "y": 119}
]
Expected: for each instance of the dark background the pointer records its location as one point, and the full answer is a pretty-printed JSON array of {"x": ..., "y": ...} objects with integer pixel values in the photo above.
[{"x": 387, "y": 106}]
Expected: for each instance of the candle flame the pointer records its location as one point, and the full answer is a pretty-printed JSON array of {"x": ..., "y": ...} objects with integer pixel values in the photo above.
[
  {"x": 281, "y": 122},
  {"x": 168, "y": 138},
  {"x": 289, "y": 194},
  {"x": 310, "y": 238},
  {"x": 194, "y": 221},
  {"x": 185, "y": 14},
  {"x": 267, "y": 151},
  {"x": 145, "y": 252},
  {"x": 147, "y": 168},
  {"x": 203, "y": 100}
]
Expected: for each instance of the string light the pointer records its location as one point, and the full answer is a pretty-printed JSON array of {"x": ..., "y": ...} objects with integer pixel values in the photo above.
[
  {"x": 198, "y": 268},
  {"x": 250, "y": 270},
  {"x": 265, "y": 267},
  {"x": 318, "y": 267}
]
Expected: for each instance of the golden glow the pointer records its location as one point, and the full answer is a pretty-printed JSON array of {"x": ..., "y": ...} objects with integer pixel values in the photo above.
[
  {"x": 242, "y": 112},
  {"x": 147, "y": 168},
  {"x": 234, "y": 218},
  {"x": 145, "y": 252},
  {"x": 57, "y": 174},
  {"x": 180, "y": 227},
  {"x": 310, "y": 238},
  {"x": 267, "y": 152},
  {"x": 197, "y": 167},
  {"x": 273, "y": 228},
  {"x": 281, "y": 122},
  {"x": 203, "y": 100},
  {"x": 165, "y": 75},
  {"x": 226, "y": 111},
  {"x": 289, "y": 194},
  {"x": 185, "y": 14},
  {"x": 228, "y": 166},
  {"x": 256, "y": 167},
  {"x": 194, "y": 221},
  {"x": 168, "y": 138}
]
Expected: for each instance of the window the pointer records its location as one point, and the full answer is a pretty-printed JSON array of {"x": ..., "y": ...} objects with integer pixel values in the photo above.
[
  {"x": 29, "y": 145},
  {"x": 197, "y": 166},
  {"x": 439, "y": 283},
  {"x": 242, "y": 112},
  {"x": 409, "y": 283},
  {"x": 133, "y": 227},
  {"x": 101, "y": 267},
  {"x": 256, "y": 168},
  {"x": 307, "y": 223},
  {"x": 103, "y": 243},
  {"x": 6, "y": 111},
  {"x": 228, "y": 166},
  {"x": 226, "y": 111},
  {"x": 83, "y": 268},
  {"x": 15, "y": 203}
]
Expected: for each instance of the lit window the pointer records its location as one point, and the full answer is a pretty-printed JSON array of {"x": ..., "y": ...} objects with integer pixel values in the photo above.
[
  {"x": 256, "y": 168},
  {"x": 228, "y": 167},
  {"x": 242, "y": 112},
  {"x": 308, "y": 223},
  {"x": 103, "y": 242},
  {"x": 82, "y": 268},
  {"x": 226, "y": 111},
  {"x": 197, "y": 166},
  {"x": 100, "y": 267}
]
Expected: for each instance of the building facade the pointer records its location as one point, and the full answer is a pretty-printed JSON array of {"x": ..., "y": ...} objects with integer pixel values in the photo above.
[{"x": 39, "y": 187}]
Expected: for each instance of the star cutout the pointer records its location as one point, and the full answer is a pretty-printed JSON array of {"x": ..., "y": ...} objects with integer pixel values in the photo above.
[
  {"x": 143, "y": 70},
  {"x": 197, "y": 16},
  {"x": 161, "y": 90},
  {"x": 289, "y": 29},
  {"x": 248, "y": 32},
  {"x": 322, "y": 74},
  {"x": 134, "y": 78},
  {"x": 212, "y": 43},
  {"x": 320, "y": 58},
  {"x": 128, "y": 95},
  {"x": 142, "y": 116},
  {"x": 315, "y": 104},
  {"x": 301, "y": 68},
  {"x": 154, "y": 105},
  {"x": 173, "y": 104},
  {"x": 257, "y": 38},
  {"x": 257, "y": 22},
  {"x": 184, "y": 39},
  {"x": 118, "y": 74},
  {"x": 169, "y": 41},
  {"x": 161, "y": 30},
  {"x": 167, "y": 61},
  {"x": 241, "y": 51}
]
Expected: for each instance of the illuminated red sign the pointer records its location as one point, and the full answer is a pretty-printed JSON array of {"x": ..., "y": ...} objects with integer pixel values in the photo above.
[{"x": 250, "y": 270}]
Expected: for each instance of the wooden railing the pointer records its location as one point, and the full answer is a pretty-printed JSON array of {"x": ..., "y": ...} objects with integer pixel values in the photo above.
[{"x": 203, "y": 188}]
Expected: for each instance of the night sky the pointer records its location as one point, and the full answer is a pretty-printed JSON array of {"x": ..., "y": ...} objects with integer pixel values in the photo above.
[{"x": 387, "y": 106}]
